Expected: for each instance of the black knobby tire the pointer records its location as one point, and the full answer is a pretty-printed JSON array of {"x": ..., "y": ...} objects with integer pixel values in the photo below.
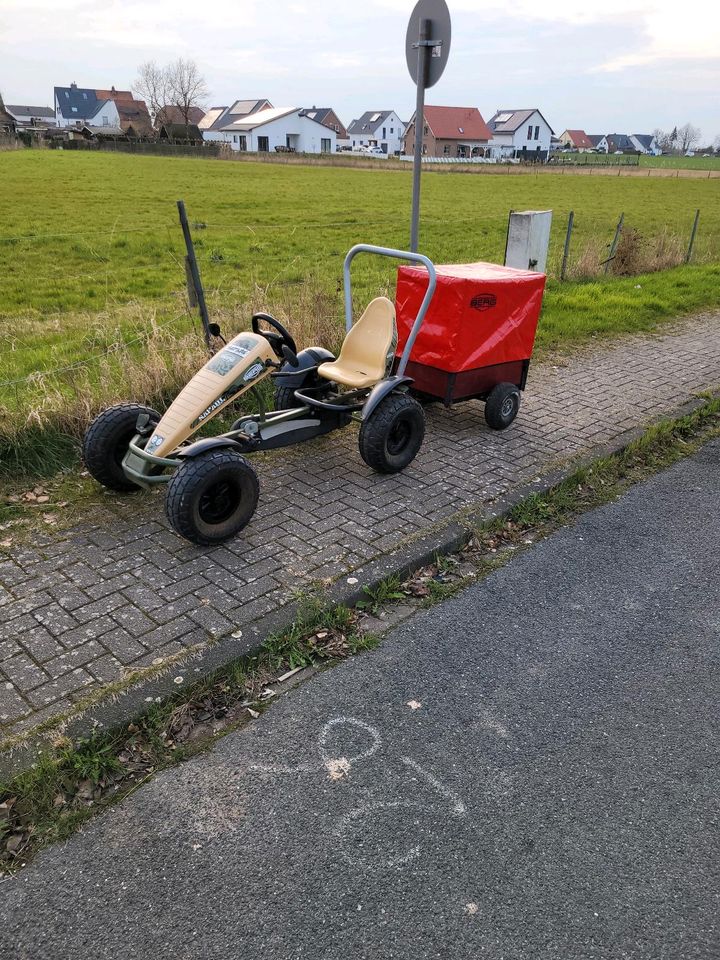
[
  {"x": 285, "y": 398},
  {"x": 211, "y": 497},
  {"x": 393, "y": 433},
  {"x": 106, "y": 442},
  {"x": 502, "y": 405}
]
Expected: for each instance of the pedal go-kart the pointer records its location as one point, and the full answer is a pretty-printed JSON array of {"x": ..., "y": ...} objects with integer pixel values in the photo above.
[{"x": 213, "y": 489}]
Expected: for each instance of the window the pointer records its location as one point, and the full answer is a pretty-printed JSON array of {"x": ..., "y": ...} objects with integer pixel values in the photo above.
[
  {"x": 263, "y": 144},
  {"x": 74, "y": 109},
  {"x": 425, "y": 130},
  {"x": 392, "y": 130},
  {"x": 529, "y": 136},
  {"x": 537, "y": 133},
  {"x": 325, "y": 145},
  {"x": 106, "y": 121},
  {"x": 84, "y": 96},
  {"x": 384, "y": 136},
  {"x": 67, "y": 95},
  {"x": 446, "y": 149},
  {"x": 243, "y": 142},
  {"x": 235, "y": 139}
]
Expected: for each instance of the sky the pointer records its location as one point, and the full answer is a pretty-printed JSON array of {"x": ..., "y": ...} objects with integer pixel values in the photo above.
[{"x": 605, "y": 66}]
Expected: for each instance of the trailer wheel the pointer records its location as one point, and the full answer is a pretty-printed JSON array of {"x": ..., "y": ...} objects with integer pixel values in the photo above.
[
  {"x": 211, "y": 497},
  {"x": 106, "y": 443},
  {"x": 393, "y": 433},
  {"x": 502, "y": 405}
]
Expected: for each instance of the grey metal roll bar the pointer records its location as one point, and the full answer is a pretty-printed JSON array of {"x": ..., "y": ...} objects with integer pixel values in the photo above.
[{"x": 397, "y": 255}]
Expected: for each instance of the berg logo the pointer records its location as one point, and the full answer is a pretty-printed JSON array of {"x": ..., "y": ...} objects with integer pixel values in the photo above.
[
  {"x": 253, "y": 372},
  {"x": 484, "y": 301}
]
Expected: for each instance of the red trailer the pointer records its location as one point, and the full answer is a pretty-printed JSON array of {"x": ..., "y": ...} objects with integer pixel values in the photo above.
[{"x": 477, "y": 337}]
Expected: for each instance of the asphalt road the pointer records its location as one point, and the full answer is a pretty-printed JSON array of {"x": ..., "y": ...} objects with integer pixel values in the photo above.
[{"x": 527, "y": 771}]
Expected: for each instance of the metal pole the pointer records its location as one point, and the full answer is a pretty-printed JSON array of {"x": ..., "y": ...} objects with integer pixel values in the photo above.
[
  {"x": 423, "y": 51},
  {"x": 613, "y": 245},
  {"x": 566, "y": 250},
  {"x": 507, "y": 235},
  {"x": 692, "y": 237},
  {"x": 194, "y": 272}
]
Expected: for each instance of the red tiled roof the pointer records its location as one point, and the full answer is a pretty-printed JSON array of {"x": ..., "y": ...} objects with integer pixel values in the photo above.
[
  {"x": 170, "y": 114},
  {"x": 579, "y": 139},
  {"x": 117, "y": 95},
  {"x": 457, "y": 123}
]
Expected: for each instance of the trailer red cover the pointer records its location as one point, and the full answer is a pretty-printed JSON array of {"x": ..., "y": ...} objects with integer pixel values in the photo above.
[{"x": 479, "y": 329}]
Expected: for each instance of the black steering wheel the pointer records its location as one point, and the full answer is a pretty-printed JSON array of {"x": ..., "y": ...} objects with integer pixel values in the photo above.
[{"x": 276, "y": 340}]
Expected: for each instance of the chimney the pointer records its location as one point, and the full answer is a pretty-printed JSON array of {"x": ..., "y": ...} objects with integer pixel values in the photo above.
[{"x": 73, "y": 86}]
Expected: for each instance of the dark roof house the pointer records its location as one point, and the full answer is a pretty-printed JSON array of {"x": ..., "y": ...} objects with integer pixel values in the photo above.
[
  {"x": 31, "y": 116},
  {"x": 186, "y": 133},
  {"x": 369, "y": 123},
  {"x": 78, "y": 103},
  {"x": 7, "y": 121},
  {"x": 173, "y": 114},
  {"x": 620, "y": 141},
  {"x": 328, "y": 118},
  {"x": 219, "y": 117},
  {"x": 508, "y": 121}
]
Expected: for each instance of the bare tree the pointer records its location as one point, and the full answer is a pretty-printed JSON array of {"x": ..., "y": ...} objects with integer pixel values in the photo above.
[
  {"x": 186, "y": 87},
  {"x": 716, "y": 144},
  {"x": 663, "y": 139},
  {"x": 152, "y": 85},
  {"x": 688, "y": 137}
]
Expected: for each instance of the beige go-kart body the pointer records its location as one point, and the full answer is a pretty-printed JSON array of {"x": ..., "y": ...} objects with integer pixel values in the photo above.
[{"x": 239, "y": 366}]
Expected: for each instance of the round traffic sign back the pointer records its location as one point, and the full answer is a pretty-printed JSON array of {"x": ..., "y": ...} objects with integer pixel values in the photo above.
[{"x": 437, "y": 13}]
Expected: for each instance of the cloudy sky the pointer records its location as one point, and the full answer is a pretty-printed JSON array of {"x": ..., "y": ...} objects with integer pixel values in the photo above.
[{"x": 624, "y": 66}]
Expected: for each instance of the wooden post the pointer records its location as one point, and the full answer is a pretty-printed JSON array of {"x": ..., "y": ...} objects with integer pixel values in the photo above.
[
  {"x": 692, "y": 237},
  {"x": 613, "y": 245},
  {"x": 194, "y": 272},
  {"x": 566, "y": 250}
]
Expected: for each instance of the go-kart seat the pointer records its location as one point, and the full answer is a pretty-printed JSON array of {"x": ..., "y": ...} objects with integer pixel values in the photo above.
[{"x": 364, "y": 354}]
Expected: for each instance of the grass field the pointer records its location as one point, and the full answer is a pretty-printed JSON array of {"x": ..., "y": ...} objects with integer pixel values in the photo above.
[
  {"x": 92, "y": 256},
  {"x": 682, "y": 163}
]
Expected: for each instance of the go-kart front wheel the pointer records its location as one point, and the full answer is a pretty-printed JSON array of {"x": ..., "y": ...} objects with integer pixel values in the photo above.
[
  {"x": 393, "y": 433},
  {"x": 106, "y": 443},
  {"x": 211, "y": 497}
]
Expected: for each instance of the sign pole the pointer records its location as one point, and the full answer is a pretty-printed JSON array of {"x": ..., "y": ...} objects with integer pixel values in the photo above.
[
  {"x": 427, "y": 45},
  {"x": 421, "y": 79}
]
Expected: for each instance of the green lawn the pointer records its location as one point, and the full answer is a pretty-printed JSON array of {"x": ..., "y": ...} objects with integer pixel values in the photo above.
[
  {"x": 92, "y": 251},
  {"x": 682, "y": 163}
]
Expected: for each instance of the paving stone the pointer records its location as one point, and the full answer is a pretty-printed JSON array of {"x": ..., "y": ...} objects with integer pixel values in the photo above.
[
  {"x": 22, "y": 671},
  {"x": 12, "y": 705},
  {"x": 122, "y": 646},
  {"x": 130, "y": 618},
  {"x": 57, "y": 689},
  {"x": 72, "y": 659},
  {"x": 106, "y": 669},
  {"x": 40, "y": 644}
]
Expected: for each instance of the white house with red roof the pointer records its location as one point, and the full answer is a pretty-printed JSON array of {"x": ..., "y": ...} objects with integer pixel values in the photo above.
[{"x": 576, "y": 140}]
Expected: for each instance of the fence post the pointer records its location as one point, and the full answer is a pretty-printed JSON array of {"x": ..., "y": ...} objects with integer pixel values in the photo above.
[
  {"x": 613, "y": 245},
  {"x": 566, "y": 250},
  {"x": 192, "y": 269},
  {"x": 692, "y": 237}
]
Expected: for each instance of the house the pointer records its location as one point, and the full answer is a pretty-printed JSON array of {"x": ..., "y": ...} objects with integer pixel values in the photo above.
[
  {"x": 7, "y": 121},
  {"x": 218, "y": 117},
  {"x": 576, "y": 140},
  {"x": 522, "y": 134},
  {"x": 328, "y": 118},
  {"x": 377, "y": 128},
  {"x": 174, "y": 114},
  {"x": 276, "y": 129},
  {"x": 620, "y": 143},
  {"x": 450, "y": 132},
  {"x": 27, "y": 116},
  {"x": 133, "y": 113},
  {"x": 599, "y": 142},
  {"x": 76, "y": 106},
  {"x": 181, "y": 132},
  {"x": 91, "y": 132},
  {"x": 646, "y": 143}
]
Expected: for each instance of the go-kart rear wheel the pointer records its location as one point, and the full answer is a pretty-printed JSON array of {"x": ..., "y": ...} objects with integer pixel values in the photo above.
[
  {"x": 106, "y": 443},
  {"x": 285, "y": 398},
  {"x": 393, "y": 433},
  {"x": 502, "y": 405},
  {"x": 211, "y": 497}
]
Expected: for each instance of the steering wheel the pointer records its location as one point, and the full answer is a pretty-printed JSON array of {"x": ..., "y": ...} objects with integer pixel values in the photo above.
[{"x": 276, "y": 340}]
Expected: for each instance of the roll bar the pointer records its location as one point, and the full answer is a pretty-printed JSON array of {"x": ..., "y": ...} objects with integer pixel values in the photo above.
[{"x": 397, "y": 255}]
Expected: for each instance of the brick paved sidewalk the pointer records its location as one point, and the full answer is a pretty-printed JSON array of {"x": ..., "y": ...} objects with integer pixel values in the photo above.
[{"x": 78, "y": 611}]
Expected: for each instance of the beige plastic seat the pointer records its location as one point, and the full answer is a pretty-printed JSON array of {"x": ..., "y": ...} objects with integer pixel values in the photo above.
[{"x": 364, "y": 354}]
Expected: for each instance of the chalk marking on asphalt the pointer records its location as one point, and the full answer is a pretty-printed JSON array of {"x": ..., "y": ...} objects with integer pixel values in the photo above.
[
  {"x": 333, "y": 764},
  {"x": 373, "y": 806},
  {"x": 457, "y": 804}
]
